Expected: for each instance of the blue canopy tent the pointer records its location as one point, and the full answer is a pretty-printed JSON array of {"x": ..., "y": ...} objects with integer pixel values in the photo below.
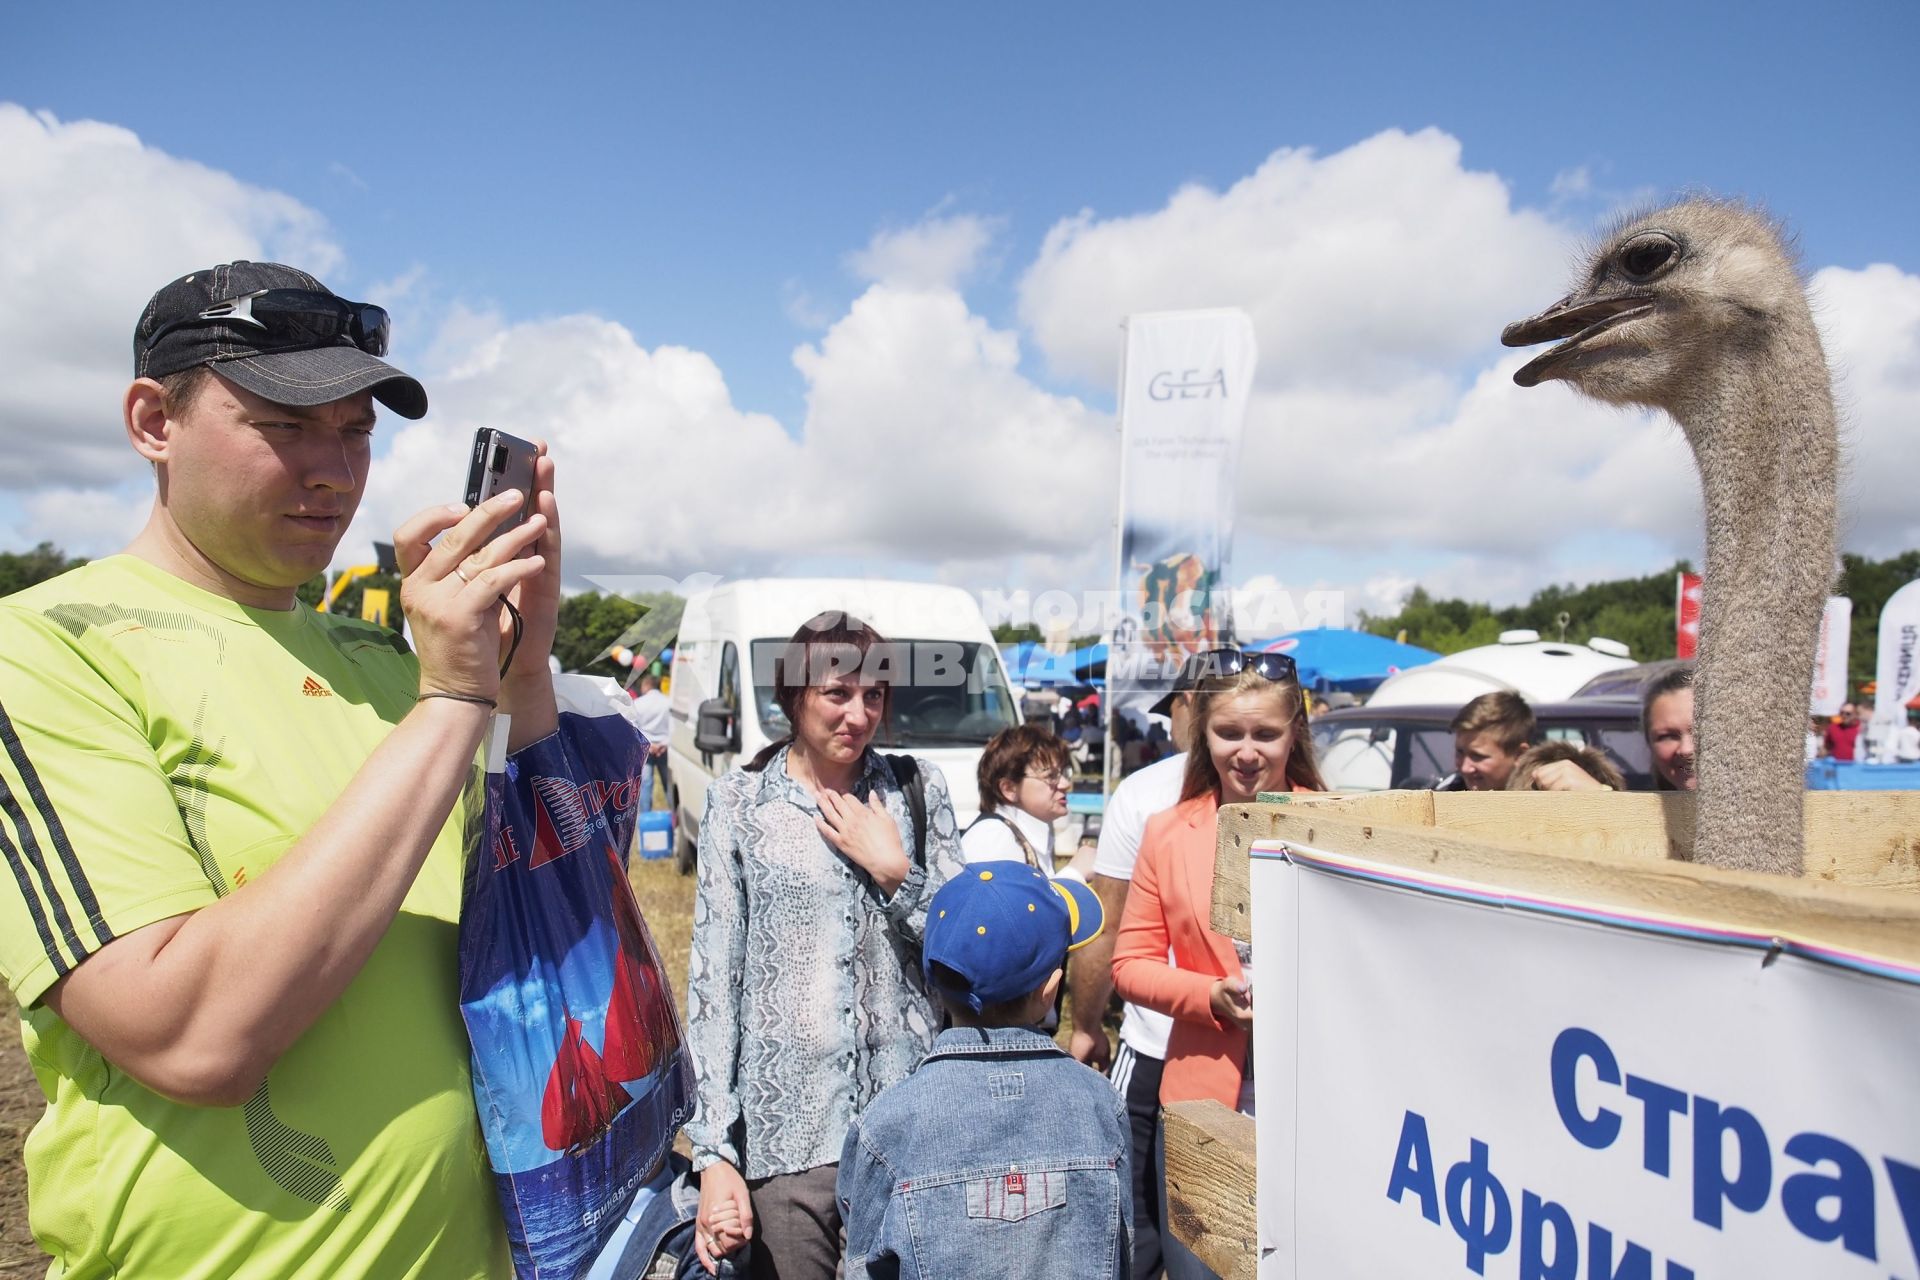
[
  {"x": 1335, "y": 658},
  {"x": 1029, "y": 664}
]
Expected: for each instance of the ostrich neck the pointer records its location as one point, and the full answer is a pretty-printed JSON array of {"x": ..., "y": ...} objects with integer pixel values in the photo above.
[{"x": 1763, "y": 435}]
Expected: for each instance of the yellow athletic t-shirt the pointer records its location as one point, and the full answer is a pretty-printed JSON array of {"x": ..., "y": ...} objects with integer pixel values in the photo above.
[{"x": 160, "y": 747}]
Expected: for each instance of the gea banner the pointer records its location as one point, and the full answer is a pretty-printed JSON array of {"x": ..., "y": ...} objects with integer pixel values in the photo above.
[
  {"x": 1686, "y": 614},
  {"x": 1184, "y": 381},
  {"x": 1830, "y": 659},
  {"x": 1897, "y": 679},
  {"x": 1452, "y": 1082}
]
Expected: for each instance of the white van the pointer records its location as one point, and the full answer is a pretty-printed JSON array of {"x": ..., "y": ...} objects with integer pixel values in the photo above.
[{"x": 722, "y": 689}]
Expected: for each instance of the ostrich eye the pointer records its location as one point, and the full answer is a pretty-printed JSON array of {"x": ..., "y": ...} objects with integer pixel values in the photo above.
[{"x": 1644, "y": 258}]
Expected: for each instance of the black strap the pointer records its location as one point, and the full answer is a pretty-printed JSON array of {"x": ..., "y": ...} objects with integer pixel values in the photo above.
[{"x": 906, "y": 773}]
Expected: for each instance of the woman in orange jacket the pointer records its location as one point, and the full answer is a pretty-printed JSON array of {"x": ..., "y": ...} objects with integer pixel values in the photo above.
[{"x": 1250, "y": 735}]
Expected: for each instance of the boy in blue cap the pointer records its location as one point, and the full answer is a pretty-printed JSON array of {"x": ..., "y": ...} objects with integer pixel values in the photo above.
[{"x": 1000, "y": 1155}]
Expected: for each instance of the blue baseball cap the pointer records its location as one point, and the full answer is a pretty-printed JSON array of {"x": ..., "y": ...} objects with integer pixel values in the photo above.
[{"x": 1002, "y": 927}]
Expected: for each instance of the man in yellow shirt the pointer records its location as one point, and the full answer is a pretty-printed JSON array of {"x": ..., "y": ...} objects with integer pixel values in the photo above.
[{"x": 233, "y": 828}]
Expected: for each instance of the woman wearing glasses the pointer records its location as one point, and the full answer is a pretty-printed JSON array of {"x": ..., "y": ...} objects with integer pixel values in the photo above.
[
  {"x": 1025, "y": 775},
  {"x": 1250, "y": 735}
]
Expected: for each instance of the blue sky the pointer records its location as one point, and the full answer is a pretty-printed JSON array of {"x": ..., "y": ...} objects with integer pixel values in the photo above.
[{"x": 700, "y": 176}]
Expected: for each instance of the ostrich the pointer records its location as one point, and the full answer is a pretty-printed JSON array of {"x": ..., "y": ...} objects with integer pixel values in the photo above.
[{"x": 1697, "y": 309}]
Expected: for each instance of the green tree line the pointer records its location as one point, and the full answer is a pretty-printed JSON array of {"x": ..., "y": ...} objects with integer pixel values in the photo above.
[{"x": 1638, "y": 612}]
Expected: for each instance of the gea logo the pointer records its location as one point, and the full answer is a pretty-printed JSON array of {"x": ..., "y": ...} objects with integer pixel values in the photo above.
[{"x": 1188, "y": 384}]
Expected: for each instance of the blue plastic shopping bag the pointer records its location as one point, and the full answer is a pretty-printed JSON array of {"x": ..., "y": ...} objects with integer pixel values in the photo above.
[{"x": 580, "y": 1069}]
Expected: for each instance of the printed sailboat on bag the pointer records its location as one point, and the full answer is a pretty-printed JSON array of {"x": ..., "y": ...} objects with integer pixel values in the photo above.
[{"x": 584, "y": 1093}]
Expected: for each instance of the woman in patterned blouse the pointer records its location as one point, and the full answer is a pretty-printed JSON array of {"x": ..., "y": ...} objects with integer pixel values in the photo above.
[{"x": 804, "y": 993}]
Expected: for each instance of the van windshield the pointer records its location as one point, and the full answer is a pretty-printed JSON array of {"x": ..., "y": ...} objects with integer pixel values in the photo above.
[{"x": 946, "y": 693}]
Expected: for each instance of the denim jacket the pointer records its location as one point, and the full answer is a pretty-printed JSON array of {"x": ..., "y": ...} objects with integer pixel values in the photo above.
[{"x": 999, "y": 1156}]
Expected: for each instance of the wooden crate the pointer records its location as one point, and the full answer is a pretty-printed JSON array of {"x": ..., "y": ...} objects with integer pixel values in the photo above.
[{"x": 1861, "y": 892}]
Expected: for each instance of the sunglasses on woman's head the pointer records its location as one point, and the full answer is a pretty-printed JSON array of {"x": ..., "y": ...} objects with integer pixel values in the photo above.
[{"x": 1221, "y": 664}]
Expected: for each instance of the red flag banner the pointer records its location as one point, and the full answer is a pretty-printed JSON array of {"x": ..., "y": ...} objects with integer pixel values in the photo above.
[{"x": 1686, "y": 615}]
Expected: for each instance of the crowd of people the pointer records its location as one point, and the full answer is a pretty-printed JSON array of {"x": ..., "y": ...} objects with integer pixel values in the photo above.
[
  {"x": 1844, "y": 738},
  {"x": 236, "y": 830},
  {"x": 836, "y": 989},
  {"x": 1497, "y": 745}
]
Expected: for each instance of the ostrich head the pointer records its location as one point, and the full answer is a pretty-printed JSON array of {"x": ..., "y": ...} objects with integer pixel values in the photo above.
[{"x": 1664, "y": 301}]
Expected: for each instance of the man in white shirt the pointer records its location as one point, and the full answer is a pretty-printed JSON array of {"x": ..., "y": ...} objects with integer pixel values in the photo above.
[
  {"x": 1906, "y": 742},
  {"x": 1143, "y": 1033},
  {"x": 651, "y": 714}
]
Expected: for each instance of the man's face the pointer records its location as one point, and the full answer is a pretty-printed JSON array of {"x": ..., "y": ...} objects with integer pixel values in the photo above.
[
  {"x": 265, "y": 491},
  {"x": 1181, "y": 716},
  {"x": 1848, "y": 713},
  {"x": 1670, "y": 735},
  {"x": 1482, "y": 763}
]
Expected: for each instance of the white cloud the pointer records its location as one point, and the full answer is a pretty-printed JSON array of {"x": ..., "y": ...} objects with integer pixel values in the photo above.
[
  {"x": 1384, "y": 415},
  {"x": 1386, "y": 443},
  {"x": 922, "y": 443},
  {"x": 92, "y": 221},
  {"x": 1571, "y": 184},
  {"x": 659, "y": 470},
  {"x": 89, "y": 521},
  {"x": 1384, "y": 593},
  {"x": 1496, "y": 469},
  {"x": 1384, "y": 425},
  {"x": 1870, "y": 321},
  {"x": 802, "y": 307},
  {"x": 925, "y": 439},
  {"x": 936, "y": 252},
  {"x": 1385, "y": 261}
]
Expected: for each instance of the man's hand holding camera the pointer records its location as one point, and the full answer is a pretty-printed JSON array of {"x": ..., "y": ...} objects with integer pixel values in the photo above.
[{"x": 451, "y": 592}]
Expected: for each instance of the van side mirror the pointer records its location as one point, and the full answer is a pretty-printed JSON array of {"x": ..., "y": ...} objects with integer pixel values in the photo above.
[{"x": 717, "y": 730}]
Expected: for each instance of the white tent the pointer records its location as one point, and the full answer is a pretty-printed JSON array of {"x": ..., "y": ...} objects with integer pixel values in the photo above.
[{"x": 1538, "y": 670}]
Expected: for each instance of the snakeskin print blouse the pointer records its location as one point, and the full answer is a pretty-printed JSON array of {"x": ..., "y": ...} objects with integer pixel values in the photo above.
[{"x": 804, "y": 992}]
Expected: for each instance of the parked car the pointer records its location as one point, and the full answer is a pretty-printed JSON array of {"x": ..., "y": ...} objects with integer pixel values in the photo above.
[
  {"x": 945, "y": 710},
  {"x": 1629, "y": 683},
  {"x": 1384, "y": 748}
]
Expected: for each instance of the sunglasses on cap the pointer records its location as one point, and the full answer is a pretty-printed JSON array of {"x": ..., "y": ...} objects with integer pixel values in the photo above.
[
  {"x": 1221, "y": 664},
  {"x": 297, "y": 318}
]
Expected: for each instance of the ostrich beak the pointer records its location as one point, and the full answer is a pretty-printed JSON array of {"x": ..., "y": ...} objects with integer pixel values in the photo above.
[{"x": 1576, "y": 318}]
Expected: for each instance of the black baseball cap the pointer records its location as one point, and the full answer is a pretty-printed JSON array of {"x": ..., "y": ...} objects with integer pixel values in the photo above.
[
  {"x": 1192, "y": 672},
  {"x": 276, "y": 331}
]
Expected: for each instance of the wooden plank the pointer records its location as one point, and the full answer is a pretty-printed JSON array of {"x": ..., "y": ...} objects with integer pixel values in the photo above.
[
  {"x": 1862, "y": 893},
  {"x": 1211, "y": 1185},
  {"x": 1880, "y": 922},
  {"x": 1863, "y": 838}
]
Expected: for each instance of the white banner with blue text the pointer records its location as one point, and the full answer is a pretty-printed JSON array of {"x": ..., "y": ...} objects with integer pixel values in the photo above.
[
  {"x": 1897, "y": 671},
  {"x": 1184, "y": 384},
  {"x": 1452, "y": 1081}
]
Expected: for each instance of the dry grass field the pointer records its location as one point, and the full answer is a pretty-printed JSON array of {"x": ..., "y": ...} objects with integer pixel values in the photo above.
[
  {"x": 20, "y": 1104},
  {"x": 666, "y": 901}
]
